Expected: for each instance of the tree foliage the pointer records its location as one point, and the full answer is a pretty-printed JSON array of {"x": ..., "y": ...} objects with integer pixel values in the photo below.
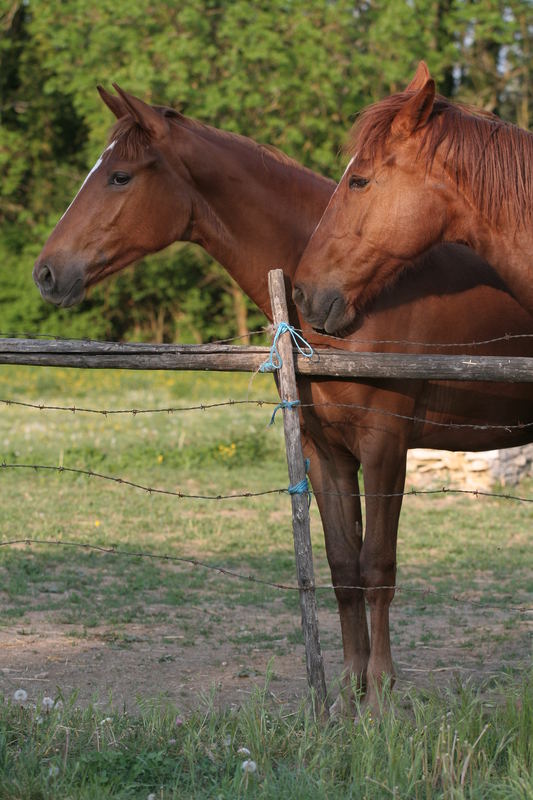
[{"x": 288, "y": 72}]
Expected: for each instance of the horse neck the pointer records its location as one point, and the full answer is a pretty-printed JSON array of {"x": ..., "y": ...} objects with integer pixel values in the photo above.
[
  {"x": 507, "y": 248},
  {"x": 253, "y": 209},
  {"x": 510, "y": 253}
]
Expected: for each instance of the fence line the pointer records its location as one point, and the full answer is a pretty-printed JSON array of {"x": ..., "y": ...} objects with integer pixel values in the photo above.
[
  {"x": 417, "y": 590},
  {"x": 237, "y": 495},
  {"x": 260, "y": 403},
  {"x": 330, "y": 363}
]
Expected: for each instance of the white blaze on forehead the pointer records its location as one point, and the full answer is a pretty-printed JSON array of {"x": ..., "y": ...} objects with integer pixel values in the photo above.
[
  {"x": 100, "y": 159},
  {"x": 348, "y": 167},
  {"x": 335, "y": 192}
]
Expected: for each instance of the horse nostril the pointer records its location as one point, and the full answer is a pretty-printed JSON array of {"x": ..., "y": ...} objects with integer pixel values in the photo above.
[{"x": 45, "y": 277}]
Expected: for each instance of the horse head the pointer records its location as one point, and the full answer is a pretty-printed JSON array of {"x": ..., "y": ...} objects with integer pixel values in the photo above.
[
  {"x": 134, "y": 201},
  {"x": 386, "y": 211}
]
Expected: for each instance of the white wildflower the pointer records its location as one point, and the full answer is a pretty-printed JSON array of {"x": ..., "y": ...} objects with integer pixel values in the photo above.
[
  {"x": 20, "y": 696},
  {"x": 47, "y": 704},
  {"x": 249, "y": 766},
  {"x": 243, "y": 751},
  {"x": 106, "y": 720}
]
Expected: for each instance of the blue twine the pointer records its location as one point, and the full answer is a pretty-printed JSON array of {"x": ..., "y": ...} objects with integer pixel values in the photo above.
[
  {"x": 302, "y": 487},
  {"x": 275, "y": 361},
  {"x": 299, "y": 488},
  {"x": 283, "y": 404}
]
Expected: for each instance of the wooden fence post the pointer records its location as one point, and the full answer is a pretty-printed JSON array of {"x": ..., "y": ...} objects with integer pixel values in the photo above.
[{"x": 300, "y": 502}]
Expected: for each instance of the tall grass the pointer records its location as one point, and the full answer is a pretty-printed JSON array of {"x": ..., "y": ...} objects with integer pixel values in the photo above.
[{"x": 465, "y": 743}]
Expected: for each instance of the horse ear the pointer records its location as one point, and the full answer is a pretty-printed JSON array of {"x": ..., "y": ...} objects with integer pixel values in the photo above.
[
  {"x": 115, "y": 104},
  {"x": 415, "y": 111},
  {"x": 145, "y": 116},
  {"x": 420, "y": 77}
]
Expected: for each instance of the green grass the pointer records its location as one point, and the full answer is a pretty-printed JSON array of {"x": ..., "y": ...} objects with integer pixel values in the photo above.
[
  {"x": 462, "y": 651},
  {"x": 462, "y": 744}
]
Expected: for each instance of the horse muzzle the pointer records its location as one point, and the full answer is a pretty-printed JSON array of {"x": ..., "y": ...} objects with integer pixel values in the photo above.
[
  {"x": 62, "y": 286},
  {"x": 324, "y": 309}
]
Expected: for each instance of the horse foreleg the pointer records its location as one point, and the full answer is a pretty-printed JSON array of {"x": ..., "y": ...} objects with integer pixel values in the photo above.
[
  {"x": 334, "y": 479},
  {"x": 384, "y": 477}
]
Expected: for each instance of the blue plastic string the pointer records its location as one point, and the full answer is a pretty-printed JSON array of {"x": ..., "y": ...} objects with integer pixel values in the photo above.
[
  {"x": 283, "y": 404},
  {"x": 302, "y": 487},
  {"x": 299, "y": 488},
  {"x": 275, "y": 361}
]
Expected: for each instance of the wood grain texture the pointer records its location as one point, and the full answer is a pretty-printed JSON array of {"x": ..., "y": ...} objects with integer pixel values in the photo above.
[
  {"x": 300, "y": 502},
  {"x": 236, "y": 358}
]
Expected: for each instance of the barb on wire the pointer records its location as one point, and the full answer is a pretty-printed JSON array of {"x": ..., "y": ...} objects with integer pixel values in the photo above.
[
  {"x": 417, "y": 590},
  {"x": 105, "y": 412},
  {"x": 185, "y": 496}
]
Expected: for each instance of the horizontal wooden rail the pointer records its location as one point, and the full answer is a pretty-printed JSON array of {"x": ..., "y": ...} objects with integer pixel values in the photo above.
[{"x": 235, "y": 358}]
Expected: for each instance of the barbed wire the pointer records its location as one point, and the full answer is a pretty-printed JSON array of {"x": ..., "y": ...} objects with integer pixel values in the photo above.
[
  {"x": 328, "y": 337},
  {"x": 134, "y": 411},
  {"x": 506, "y": 337},
  {"x": 507, "y": 427},
  {"x": 57, "y": 338},
  {"x": 279, "y": 490},
  {"x": 417, "y": 590}
]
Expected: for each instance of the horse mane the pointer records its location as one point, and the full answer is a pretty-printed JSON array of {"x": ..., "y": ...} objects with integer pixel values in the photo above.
[
  {"x": 131, "y": 139},
  {"x": 487, "y": 158}
]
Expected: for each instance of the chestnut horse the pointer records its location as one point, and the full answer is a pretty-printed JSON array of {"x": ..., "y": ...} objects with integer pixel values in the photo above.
[
  {"x": 165, "y": 177},
  {"x": 423, "y": 170}
]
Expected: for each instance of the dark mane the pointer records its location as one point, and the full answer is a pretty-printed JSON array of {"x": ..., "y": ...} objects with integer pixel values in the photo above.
[
  {"x": 489, "y": 159},
  {"x": 131, "y": 139}
]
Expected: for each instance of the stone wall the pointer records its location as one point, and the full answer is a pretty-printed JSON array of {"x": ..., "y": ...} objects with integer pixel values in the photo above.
[{"x": 469, "y": 470}]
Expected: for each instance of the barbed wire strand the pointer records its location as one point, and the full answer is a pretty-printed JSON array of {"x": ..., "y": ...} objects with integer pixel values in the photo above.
[
  {"x": 57, "y": 338},
  {"x": 418, "y": 590},
  {"x": 507, "y": 337},
  {"x": 509, "y": 428},
  {"x": 237, "y": 495}
]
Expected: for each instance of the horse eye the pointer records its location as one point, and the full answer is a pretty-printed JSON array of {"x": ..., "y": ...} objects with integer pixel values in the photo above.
[
  {"x": 357, "y": 182},
  {"x": 120, "y": 178}
]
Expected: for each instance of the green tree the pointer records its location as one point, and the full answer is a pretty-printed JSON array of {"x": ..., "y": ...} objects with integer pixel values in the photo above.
[
  {"x": 287, "y": 72},
  {"x": 494, "y": 40}
]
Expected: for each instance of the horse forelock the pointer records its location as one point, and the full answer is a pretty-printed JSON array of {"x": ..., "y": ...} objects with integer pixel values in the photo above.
[
  {"x": 489, "y": 159},
  {"x": 130, "y": 138}
]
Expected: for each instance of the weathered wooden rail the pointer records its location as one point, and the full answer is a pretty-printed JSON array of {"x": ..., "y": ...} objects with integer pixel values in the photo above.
[{"x": 234, "y": 358}]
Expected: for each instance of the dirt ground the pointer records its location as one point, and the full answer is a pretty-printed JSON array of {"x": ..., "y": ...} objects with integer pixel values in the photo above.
[{"x": 430, "y": 649}]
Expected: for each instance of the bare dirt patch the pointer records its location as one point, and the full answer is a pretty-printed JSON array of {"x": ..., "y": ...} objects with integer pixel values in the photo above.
[{"x": 185, "y": 661}]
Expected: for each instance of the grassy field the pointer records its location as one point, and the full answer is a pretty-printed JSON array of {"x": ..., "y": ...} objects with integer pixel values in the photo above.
[{"x": 165, "y": 670}]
